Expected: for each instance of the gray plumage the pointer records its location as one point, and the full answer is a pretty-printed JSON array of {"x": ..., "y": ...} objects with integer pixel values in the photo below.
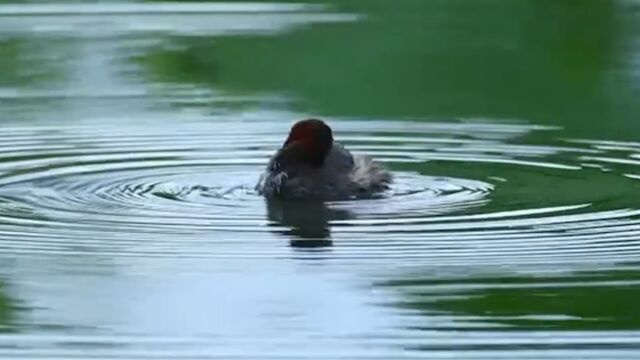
[{"x": 342, "y": 176}]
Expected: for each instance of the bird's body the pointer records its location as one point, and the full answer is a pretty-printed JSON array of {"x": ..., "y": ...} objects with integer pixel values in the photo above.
[{"x": 311, "y": 165}]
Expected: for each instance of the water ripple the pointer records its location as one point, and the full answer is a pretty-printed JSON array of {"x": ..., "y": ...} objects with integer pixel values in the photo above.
[
  {"x": 67, "y": 189},
  {"x": 194, "y": 19}
]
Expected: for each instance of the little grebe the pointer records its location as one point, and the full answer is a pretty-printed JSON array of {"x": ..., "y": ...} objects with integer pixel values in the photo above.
[{"x": 311, "y": 165}]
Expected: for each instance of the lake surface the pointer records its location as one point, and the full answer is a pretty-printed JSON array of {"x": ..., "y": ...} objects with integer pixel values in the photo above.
[{"x": 132, "y": 135}]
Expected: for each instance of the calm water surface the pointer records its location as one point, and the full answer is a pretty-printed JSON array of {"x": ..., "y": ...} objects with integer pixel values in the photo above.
[{"x": 132, "y": 134}]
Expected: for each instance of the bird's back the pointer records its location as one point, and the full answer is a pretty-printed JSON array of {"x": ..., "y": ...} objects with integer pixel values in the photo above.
[{"x": 342, "y": 176}]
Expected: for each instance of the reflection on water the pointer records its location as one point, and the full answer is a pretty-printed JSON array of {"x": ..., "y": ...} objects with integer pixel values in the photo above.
[
  {"x": 307, "y": 222},
  {"x": 579, "y": 301},
  {"x": 132, "y": 136},
  {"x": 552, "y": 62},
  {"x": 168, "y": 215},
  {"x": 7, "y": 311}
]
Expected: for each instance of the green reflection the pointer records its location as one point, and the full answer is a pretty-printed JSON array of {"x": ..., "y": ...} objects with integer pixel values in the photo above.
[
  {"x": 8, "y": 310},
  {"x": 531, "y": 186},
  {"x": 28, "y": 61},
  {"x": 557, "y": 62},
  {"x": 30, "y": 71},
  {"x": 586, "y": 301}
]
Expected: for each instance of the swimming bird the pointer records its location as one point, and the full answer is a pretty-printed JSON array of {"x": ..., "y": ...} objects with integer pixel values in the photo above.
[{"x": 310, "y": 164}]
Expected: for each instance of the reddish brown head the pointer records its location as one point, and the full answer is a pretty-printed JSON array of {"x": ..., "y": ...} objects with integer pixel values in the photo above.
[{"x": 309, "y": 142}]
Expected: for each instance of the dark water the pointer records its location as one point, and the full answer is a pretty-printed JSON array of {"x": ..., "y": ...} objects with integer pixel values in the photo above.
[{"x": 132, "y": 134}]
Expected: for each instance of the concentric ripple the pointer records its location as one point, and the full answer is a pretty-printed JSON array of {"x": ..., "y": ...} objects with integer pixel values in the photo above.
[
  {"x": 200, "y": 180},
  {"x": 62, "y": 187}
]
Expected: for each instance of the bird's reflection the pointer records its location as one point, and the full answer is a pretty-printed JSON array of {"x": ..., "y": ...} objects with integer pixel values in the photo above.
[{"x": 307, "y": 222}]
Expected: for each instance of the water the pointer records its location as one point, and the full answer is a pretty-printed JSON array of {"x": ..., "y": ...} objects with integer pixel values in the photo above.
[{"x": 132, "y": 135}]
